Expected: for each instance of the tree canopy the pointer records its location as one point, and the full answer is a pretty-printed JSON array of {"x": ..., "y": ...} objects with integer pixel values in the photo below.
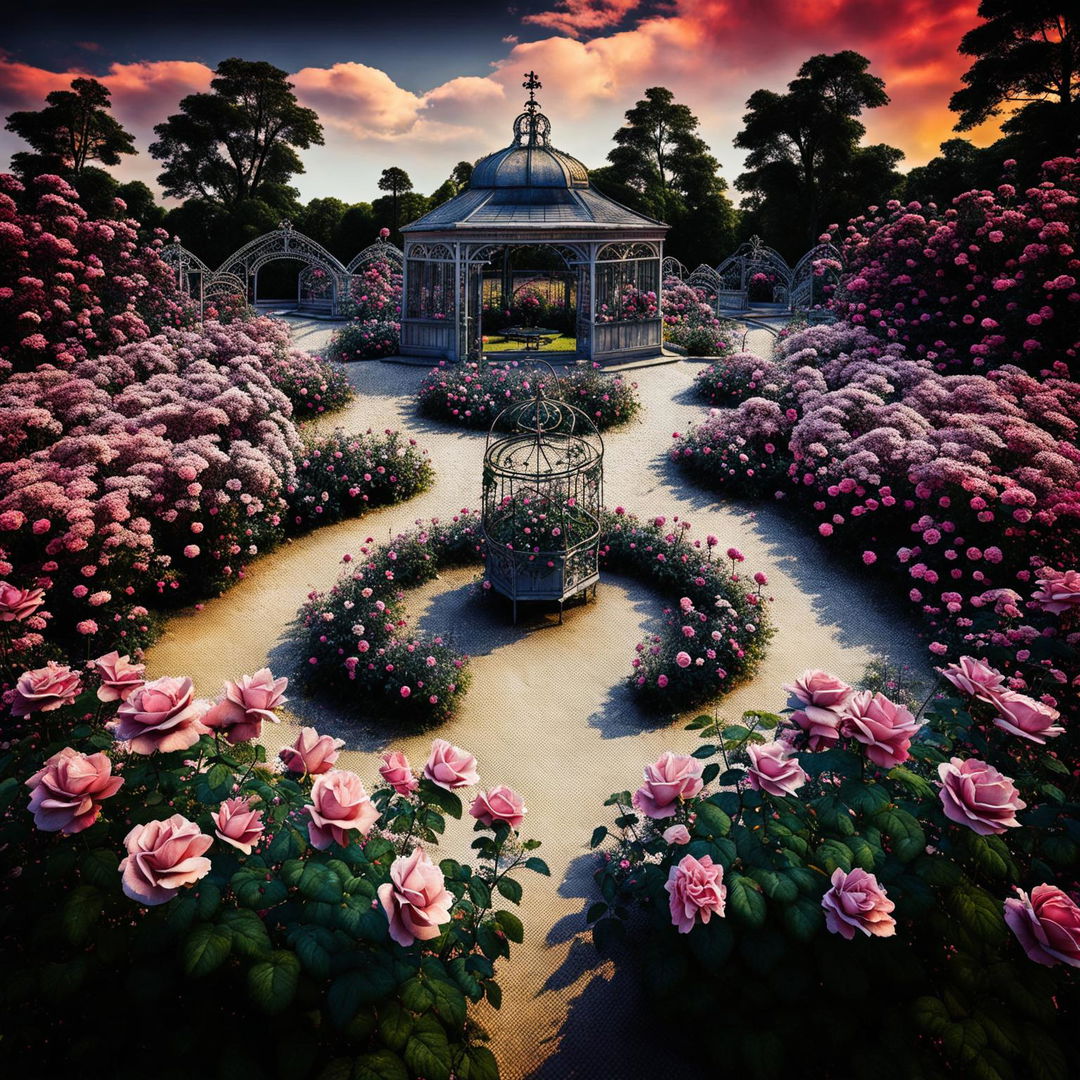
[
  {"x": 74, "y": 129},
  {"x": 240, "y": 140},
  {"x": 661, "y": 167},
  {"x": 805, "y": 167}
]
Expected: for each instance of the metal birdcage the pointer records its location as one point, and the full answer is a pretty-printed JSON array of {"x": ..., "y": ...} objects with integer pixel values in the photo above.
[{"x": 543, "y": 492}]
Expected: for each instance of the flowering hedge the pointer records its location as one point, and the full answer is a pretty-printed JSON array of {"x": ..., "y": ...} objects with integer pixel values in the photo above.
[
  {"x": 990, "y": 280},
  {"x": 161, "y": 862},
  {"x": 965, "y": 487},
  {"x": 474, "y": 393},
  {"x": 374, "y": 309},
  {"x": 862, "y": 850},
  {"x": 736, "y": 378},
  {"x": 73, "y": 287}
]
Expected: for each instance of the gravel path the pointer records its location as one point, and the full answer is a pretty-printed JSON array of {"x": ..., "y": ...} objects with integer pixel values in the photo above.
[{"x": 548, "y": 712}]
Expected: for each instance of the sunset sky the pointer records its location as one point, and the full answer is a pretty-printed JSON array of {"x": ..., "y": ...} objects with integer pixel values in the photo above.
[{"x": 423, "y": 85}]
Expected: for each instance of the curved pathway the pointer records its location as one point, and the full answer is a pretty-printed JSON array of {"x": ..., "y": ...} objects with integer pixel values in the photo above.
[{"x": 548, "y": 712}]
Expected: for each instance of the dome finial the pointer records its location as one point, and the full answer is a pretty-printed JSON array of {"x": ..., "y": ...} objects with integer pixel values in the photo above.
[{"x": 532, "y": 126}]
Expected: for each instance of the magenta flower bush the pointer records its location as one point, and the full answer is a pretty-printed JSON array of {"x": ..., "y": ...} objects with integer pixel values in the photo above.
[
  {"x": 691, "y": 323},
  {"x": 991, "y": 280},
  {"x": 736, "y": 378},
  {"x": 853, "y": 843},
  {"x": 304, "y": 904},
  {"x": 374, "y": 310},
  {"x": 473, "y": 394},
  {"x": 74, "y": 288}
]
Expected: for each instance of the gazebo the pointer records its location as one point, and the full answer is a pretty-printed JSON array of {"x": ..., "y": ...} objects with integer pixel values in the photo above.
[{"x": 532, "y": 195}]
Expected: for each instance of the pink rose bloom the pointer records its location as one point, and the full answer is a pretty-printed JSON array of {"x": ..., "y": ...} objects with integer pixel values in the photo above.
[
  {"x": 450, "y": 767},
  {"x": 339, "y": 805},
  {"x": 396, "y": 772},
  {"x": 499, "y": 804},
  {"x": 312, "y": 753},
  {"x": 974, "y": 677},
  {"x": 1057, "y": 592},
  {"x": 977, "y": 795},
  {"x": 676, "y": 835},
  {"x": 672, "y": 777},
  {"x": 237, "y": 824},
  {"x": 823, "y": 696},
  {"x": 415, "y": 899},
  {"x": 163, "y": 857},
  {"x": 245, "y": 704},
  {"x": 161, "y": 715},
  {"x": 45, "y": 689},
  {"x": 17, "y": 605},
  {"x": 1024, "y": 716},
  {"x": 66, "y": 793},
  {"x": 882, "y": 726},
  {"x": 773, "y": 771},
  {"x": 857, "y": 902},
  {"x": 120, "y": 678},
  {"x": 696, "y": 890},
  {"x": 1047, "y": 924}
]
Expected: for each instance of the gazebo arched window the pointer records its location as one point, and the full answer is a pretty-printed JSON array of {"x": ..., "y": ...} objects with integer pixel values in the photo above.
[{"x": 543, "y": 490}]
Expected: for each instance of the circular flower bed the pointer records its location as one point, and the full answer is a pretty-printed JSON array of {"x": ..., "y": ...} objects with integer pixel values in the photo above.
[
  {"x": 857, "y": 842},
  {"x": 162, "y": 858},
  {"x": 473, "y": 394}
]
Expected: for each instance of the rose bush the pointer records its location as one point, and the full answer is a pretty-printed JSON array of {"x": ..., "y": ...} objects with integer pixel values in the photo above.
[
  {"x": 814, "y": 872},
  {"x": 374, "y": 310},
  {"x": 690, "y": 321},
  {"x": 301, "y": 905}
]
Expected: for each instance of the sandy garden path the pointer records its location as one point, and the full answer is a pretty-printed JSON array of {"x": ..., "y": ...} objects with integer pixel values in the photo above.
[{"x": 548, "y": 712}]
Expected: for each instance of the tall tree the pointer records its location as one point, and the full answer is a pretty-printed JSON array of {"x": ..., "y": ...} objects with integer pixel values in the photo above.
[
  {"x": 660, "y": 166},
  {"x": 805, "y": 167},
  {"x": 73, "y": 129},
  {"x": 1027, "y": 54},
  {"x": 397, "y": 182},
  {"x": 240, "y": 140},
  {"x": 454, "y": 184}
]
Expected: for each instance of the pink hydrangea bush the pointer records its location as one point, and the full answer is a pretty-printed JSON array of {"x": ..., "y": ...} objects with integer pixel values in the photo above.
[
  {"x": 854, "y": 840},
  {"x": 991, "y": 279},
  {"x": 473, "y": 394},
  {"x": 197, "y": 870}
]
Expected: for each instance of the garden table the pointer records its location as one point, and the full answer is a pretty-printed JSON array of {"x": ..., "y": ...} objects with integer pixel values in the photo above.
[{"x": 537, "y": 336}]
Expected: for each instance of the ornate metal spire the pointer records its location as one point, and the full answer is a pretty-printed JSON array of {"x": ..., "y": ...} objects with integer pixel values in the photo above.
[{"x": 532, "y": 126}]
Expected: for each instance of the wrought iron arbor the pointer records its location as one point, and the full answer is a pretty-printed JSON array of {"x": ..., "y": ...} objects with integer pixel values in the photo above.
[{"x": 543, "y": 489}]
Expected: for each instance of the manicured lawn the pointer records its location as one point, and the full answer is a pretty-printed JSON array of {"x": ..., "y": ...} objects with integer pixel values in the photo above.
[{"x": 501, "y": 344}]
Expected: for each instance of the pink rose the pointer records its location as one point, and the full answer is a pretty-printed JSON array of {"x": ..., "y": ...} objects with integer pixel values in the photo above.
[
  {"x": 977, "y": 795},
  {"x": 237, "y": 824},
  {"x": 1024, "y": 716},
  {"x": 120, "y": 678},
  {"x": 66, "y": 793},
  {"x": 882, "y": 726},
  {"x": 17, "y": 605},
  {"x": 161, "y": 715},
  {"x": 672, "y": 777},
  {"x": 245, "y": 704},
  {"x": 696, "y": 890},
  {"x": 676, "y": 835},
  {"x": 499, "y": 804},
  {"x": 773, "y": 771},
  {"x": 974, "y": 677},
  {"x": 823, "y": 696},
  {"x": 450, "y": 767},
  {"x": 45, "y": 689},
  {"x": 1047, "y": 925},
  {"x": 312, "y": 753},
  {"x": 857, "y": 902},
  {"x": 1057, "y": 592},
  {"x": 163, "y": 857},
  {"x": 339, "y": 805},
  {"x": 415, "y": 899},
  {"x": 396, "y": 772}
]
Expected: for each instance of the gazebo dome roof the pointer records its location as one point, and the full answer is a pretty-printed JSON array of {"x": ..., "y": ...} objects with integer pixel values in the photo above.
[{"x": 532, "y": 165}]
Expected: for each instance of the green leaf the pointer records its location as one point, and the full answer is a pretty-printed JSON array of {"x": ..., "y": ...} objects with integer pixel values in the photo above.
[
  {"x": 711, "y": 820},
  {"x": 380, "y": 1065},
  {"x": 206, "y": 948},
  {"x": 254, "y": 891},
  {"x": 833, "y": 855},
  {"x": 606, "y": 933},
  {"x": 468, "y": 982},
  {"x": 745, "y": 901},
  {"x": 776, "y": 886},
  {"x": 494, "y": 993},
  {"x": 706, "y": 750},
  {"x": 598, "y": 836},
  {"x": 219, "y": 782},
  {"x": 272, "y": 982},
  {"x": 937, "y": 870},
  {"x": 863, "y": 853},
  {"x": 395, "y": 1025},
  {"x": 988, "y": 854},
  {"x": 834, "y": 815},
  {"x": 319, "y": 882},
  {"x": 249, "y": 936},
  {"x": 99, "y": 867},
  {"x": 479, "y": 1064},
  {"x": 81, "y": 910},
  {"x": 804, "y": 918},
  {"x": 445, "y": 800},
  {"x": 595, "y": 911},
  {"x": 417, "y": 995},
  {"x": 480, "y": 892},
  {"x": 313, "y": 945},
  {"x": 427, "y": 1052},
  {"x": 510, "y": 889},
  {"x": 908, "y": 838},
  {"x": 449, "y": 1003},
  {"x": 537, "y": 866},
  {"x": 9, "y": 790},
  {"x": 511, "y": 926},
  {"x": 912, "y": 781},
  {"x": 1044, "y": 1056},
  {"x": 710, "y": 773},
  {"x": 931, "y": 1015},
  {"x": 865, "y": 797},
  {"x": 345, "y": 996},
  {"x": 978, "y": 912}
]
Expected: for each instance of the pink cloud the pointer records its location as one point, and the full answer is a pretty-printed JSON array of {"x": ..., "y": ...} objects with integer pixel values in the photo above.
[
  {"x": 358, "y": 99},
  {"x": 577, "y": 17}
]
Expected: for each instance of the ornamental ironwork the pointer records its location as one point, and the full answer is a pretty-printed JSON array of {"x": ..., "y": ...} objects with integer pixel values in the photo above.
[{"x": 543, "y": 489}]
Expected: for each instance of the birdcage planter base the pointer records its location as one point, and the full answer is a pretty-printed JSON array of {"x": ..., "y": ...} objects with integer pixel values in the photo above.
[{"x": 523, "y": 576}]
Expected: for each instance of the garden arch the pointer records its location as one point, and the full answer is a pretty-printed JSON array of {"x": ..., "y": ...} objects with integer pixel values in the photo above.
[
  {"x": 186, "y": 265},
  {"x": 814, "y": 279}
]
